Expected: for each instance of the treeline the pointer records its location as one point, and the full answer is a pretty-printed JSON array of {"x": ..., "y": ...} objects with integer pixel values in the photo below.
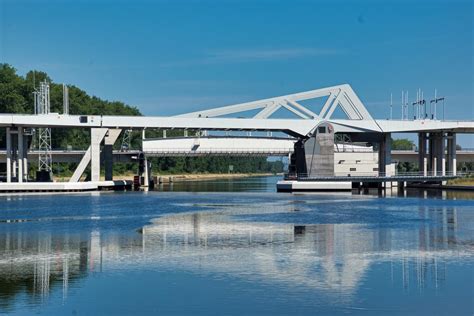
[
  {"x": 16, "y": 96},
  {"x": 216, "y": 164},
  {"x": 406, "y": 144}
]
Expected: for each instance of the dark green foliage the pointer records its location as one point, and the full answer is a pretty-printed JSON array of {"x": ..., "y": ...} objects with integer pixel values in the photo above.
[
  {"x": 215, "y": 164},
  {"x": 467, "y": 166},
  {"x": 402, "y": 144},
  {"x": 407, "y": 167},
  {"x": 16, "y": 96}
]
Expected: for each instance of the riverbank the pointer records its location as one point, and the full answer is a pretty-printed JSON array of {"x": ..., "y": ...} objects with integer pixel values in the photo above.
[
  {"x": 185, "y": 177},
  {"x": 462, "y": 182}
]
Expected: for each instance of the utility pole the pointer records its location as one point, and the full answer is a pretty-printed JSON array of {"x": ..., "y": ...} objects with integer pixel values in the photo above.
[
  {"x": 419, "y": 106},
  {"x": 391, "y": 106},
  {"x": 435, "y": 101},
  {"x": 403, "y": 106}
]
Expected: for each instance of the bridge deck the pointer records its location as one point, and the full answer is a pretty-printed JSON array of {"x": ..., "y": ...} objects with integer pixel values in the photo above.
[{"x": 395, "y": 178}]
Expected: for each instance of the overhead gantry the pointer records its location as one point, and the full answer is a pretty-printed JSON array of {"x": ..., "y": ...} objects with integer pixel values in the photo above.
[{"x": 106, "y": 129}]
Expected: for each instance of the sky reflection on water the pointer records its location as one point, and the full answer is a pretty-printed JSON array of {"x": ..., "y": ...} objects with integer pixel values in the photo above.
[{"x": 228, "y": 253}]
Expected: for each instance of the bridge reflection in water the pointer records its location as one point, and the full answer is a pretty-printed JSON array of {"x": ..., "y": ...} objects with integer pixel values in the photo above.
[{"x": 332, "y": 257}]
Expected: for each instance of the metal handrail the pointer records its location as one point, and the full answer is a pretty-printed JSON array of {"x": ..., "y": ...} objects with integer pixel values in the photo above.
[
  {"x": 218, "y": 150},
  {"x": 296, "y": 176}
]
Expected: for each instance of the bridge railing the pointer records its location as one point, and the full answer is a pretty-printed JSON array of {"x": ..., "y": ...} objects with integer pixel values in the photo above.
[
  {"x": 345, "y": 175},
  {"x": 354, "y": 150},
  {"x": 216, "y": 151},
  {"x": 465, "y": 149}
]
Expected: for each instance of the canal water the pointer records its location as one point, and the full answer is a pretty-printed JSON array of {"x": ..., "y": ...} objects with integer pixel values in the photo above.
[{"x": 233, "y": 247}]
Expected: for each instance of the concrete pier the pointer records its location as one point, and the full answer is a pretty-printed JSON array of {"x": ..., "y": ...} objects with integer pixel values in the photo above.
[
  {"x": 385, "y": 157},
  {"x": 64, "y": 186},
  {"x": 442, "y": 153}
]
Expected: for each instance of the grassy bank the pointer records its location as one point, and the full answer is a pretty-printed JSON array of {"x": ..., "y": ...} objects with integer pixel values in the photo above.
[
  {"x": 184, "y": 177},
  {"x": 468, "y": 181}
]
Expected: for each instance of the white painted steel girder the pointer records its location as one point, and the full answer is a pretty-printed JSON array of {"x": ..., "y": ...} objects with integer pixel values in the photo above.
[
  {"x": 341, "y": 95},
  {"x": 359, "y": 120},
  {"x": 219, "y": 145}
]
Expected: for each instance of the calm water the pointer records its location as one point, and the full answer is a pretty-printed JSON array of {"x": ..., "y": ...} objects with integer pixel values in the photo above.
[{"x": 241, "y": 249}]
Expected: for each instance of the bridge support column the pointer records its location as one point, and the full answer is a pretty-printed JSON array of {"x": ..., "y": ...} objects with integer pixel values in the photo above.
[
  {"x": 385, "y": 155},
  {"x": 431, "y": 155},
  {"x": 14, "y": 140},
  {"x": 441, "y": 153},
  {"x": 97, "y": 134},
  {"x": 107, "y": 151},
  {"x": 422, "y": 159},
  {"x": 25, "y": 158},
  {"x": 146, "y": 165},
  {"x": 452, "y": 153},
  {"x": 9, "y": 155},
  {"x": 437, "y": 154},
  {"x": 20, "y": 154}
]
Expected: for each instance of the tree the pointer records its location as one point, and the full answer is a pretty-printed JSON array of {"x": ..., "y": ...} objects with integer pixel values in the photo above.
[
  {"x": 402, "y": 144},
  {"x": 16, "y": 96}
]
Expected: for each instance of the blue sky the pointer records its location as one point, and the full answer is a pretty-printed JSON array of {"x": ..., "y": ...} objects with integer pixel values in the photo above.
[{"x": 171, "y": 57}]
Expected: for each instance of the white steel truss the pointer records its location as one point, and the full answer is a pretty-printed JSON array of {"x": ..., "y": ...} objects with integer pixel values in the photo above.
[
  {"x": 42, "y": 106},
  {"x": 44, "y": 148},
  {"x": 126, "y": 140},
  {"x": 341, "y": 95}
]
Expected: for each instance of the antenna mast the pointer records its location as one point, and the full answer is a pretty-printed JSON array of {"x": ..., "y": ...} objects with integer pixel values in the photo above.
[
  {"x": 435, "y": 101},
  {"x": 391, "y": 106}
]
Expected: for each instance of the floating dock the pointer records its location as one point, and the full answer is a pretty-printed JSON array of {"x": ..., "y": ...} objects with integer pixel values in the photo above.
[
  {"x": 294, "y": 185},
  {"x": 18, "y": 187},
  {"x": 347, "y": 183}
]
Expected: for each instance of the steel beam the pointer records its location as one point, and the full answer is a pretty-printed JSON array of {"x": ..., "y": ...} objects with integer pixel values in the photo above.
[
  {"x": 91, "y": 155},
  {"x": 81, "y": 167}
]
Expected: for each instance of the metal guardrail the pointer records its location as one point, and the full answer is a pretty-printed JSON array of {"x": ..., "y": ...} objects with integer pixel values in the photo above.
[
  {"x": 218, "y": 151},
  {"x": 397, "y": 176},
  {"x": 468, "y": 150},
  {"x": 354, "y": 150}
]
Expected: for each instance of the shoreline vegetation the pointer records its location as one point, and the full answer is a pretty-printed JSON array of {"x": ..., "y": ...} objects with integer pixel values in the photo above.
[
  {"x": 466, "y": 181},
  {"x": 187, "y": 176}
]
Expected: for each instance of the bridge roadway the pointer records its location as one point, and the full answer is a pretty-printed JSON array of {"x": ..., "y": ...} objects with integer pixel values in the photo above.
[
  {"x": 256, "y": 146},
  {"x": 220, "y": 146},
  {"x": 294, "y": 127},
  {"x": 378, "y": 179}
]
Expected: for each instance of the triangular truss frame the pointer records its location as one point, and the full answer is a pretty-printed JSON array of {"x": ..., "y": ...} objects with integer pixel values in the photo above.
[{"x": 341, "y": 95}]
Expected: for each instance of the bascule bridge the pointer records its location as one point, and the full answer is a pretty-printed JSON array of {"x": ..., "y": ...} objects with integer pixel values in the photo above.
[{"x": 309, "y": 139}]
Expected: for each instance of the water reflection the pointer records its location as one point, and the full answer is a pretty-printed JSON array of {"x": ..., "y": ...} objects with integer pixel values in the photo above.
[
  {"x": 245, "y": 184},
  {"x": 241, "y": 241}
]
